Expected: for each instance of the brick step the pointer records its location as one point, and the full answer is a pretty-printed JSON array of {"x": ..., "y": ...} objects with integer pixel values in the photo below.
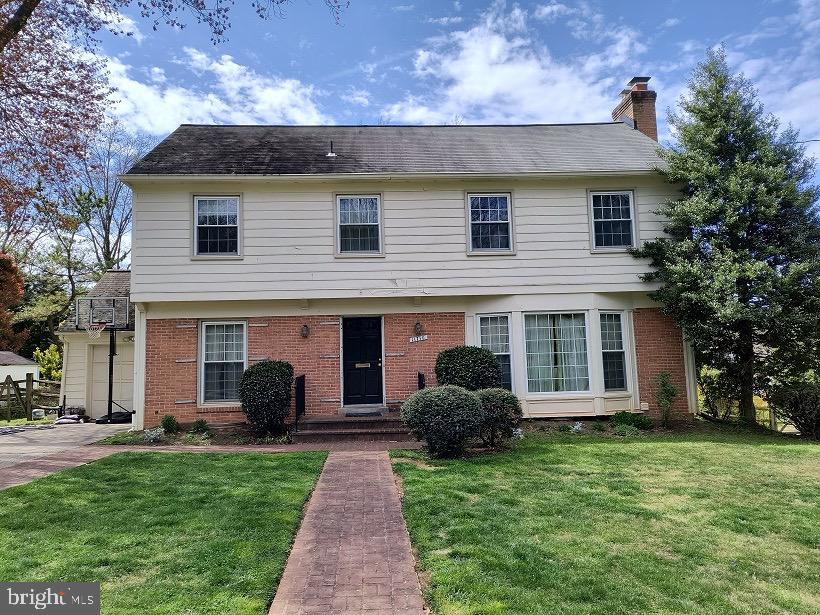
[
  {"x": 359, "y": 423},
  {"x": 352, "y": 435}
]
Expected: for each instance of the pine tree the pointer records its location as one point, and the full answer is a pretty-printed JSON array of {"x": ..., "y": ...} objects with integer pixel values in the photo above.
[{"x": 739, "y": 265}]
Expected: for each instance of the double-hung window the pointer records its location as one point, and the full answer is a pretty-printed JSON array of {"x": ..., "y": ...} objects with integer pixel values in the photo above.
[
  {"x": 556, "y": 351},
  {"x": 612, "y": 348},
  {"x": 494, "y": 332},
  {"x": 359, "y": 224},
  {"x": 223, "y": 358},
  {"x": 612, "y": 220},
  {"x": 217, "y": 225},
  {"x": 490, "y": 222}
]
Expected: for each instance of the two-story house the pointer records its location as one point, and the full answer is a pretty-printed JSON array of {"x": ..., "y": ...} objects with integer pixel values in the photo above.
[{"x": 358, "y": 253}]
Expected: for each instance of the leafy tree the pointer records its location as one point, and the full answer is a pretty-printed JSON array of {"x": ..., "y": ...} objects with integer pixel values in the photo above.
[
  {"x": 11, "y": 292},
  {"x": 738, "y": 267},
  {"x": 50, "y": 361}
]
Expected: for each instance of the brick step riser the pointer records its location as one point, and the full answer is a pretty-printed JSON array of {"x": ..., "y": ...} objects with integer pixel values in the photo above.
[
  {"x": 318, "y": 436},
  {"x": 342, "y": 424}
]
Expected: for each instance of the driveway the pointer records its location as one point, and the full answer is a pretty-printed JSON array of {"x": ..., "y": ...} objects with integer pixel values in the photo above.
[{"x": 33, "y": 443}]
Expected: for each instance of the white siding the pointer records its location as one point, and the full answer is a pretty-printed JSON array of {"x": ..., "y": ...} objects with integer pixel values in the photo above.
[
  {"x": 18, "y": 372},
  {"x": 288, "y": 242}
]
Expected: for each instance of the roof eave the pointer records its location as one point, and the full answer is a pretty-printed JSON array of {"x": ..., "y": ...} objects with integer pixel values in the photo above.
[{"x": 132, "y": 178}]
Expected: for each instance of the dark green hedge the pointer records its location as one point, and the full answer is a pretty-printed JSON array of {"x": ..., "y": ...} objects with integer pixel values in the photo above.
[
  {"x": 501, "y": 414},
  {"x": 470, "y": 367},
  {"x": 445, "y": 417},
  {"x": 265, "y": 392},
  {"x": 798, "y": 405}
]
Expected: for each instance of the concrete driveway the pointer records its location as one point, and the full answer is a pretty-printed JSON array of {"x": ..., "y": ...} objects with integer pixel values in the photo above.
[{"x": 33, "y": 443}]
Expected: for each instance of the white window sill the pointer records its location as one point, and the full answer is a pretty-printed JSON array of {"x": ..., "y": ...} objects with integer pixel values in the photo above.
[
  {"x": 491, "y": 253},
  {"x": 217, "y": 257},
  {"x": 360, "y": 255}
]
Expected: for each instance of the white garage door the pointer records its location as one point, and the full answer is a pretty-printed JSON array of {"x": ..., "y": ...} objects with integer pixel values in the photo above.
[{"x": 123, "y": 378}]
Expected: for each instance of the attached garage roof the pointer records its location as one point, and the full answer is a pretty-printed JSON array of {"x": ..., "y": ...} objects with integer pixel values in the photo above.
[{"x": 405, "y": 150}]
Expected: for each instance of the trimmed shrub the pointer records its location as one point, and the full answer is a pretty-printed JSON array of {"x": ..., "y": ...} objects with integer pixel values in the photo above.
[
  {"x": 626, "y": 431},
  {"x": 501, "y": 414},
  {"x": 169, "y": 424},
  {"x": 200, "y": 426},
  {"x": 470, "y": 367},
  {"x": 798, "y": 405},
  {"x": 265, "y": 392},
  {"x": 665, "y": 395},
  {"x": 633, "y": 419},
  {"x": 444, "y": 416}
]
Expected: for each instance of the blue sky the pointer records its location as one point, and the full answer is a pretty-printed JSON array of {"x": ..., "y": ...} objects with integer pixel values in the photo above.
[{"x": 470, "y": 61}]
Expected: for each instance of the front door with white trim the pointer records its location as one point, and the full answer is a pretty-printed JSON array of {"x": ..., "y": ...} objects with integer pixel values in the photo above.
[{"x": 362, "y": 360}]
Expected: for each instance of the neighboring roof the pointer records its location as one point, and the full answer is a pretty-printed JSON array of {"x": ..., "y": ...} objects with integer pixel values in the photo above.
[
  {"x": 113, "y": 283},
  {"x": 478, "y": 150},
  {"x": 10, "y": 358}
]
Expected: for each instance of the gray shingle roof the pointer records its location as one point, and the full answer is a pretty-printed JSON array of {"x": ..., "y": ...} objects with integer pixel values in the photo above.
[
  {"x": 113, "y": 283},
  {"x": 302, "y": 150},
  {"x": 10, "y": 358}
]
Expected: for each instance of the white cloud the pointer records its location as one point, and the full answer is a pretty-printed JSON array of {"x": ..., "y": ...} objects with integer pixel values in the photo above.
[
  {"x": 403, "y": 8},
  {"x": 120, "y": 23},
  {"x": 227, "y": 92},
  {"x": 157, "y": 74},
  {"x": 357, "y": 96},
  {"x": 445, "y": 21},
  {"x": 551, "y": 11},
  {"x": 670, "y": 23},
  {"x": 457, "y": 5},
  {"x": 496, "y": 72}
]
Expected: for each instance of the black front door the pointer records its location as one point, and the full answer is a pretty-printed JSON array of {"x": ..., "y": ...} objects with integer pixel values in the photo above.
[{"x": 362, "y": 360}]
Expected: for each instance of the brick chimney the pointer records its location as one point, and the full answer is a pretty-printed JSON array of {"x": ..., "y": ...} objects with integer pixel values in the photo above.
[{"x": 637, "y": 107}]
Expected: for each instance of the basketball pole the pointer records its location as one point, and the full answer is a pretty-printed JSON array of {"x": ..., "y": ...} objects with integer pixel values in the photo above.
[{"x": 112, "y": 352}]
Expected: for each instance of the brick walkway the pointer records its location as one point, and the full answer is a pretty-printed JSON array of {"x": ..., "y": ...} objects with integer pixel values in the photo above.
[
  {"x": 352, "y": 553},
  {"x": 27, "y": 471}
]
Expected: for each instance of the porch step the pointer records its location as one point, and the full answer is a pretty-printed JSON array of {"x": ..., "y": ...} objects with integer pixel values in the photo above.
[{"x": 352, "y": 429}]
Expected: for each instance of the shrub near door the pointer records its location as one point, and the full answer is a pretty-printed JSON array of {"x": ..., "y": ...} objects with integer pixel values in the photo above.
[
  {"x": 470, "y": 367},
  {"x": 446, "y": 417},
  {"x": 265, "y": 393}
]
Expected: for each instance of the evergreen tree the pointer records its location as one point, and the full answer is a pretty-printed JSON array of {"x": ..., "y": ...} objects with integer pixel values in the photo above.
[{"x": 739, "y": 267}]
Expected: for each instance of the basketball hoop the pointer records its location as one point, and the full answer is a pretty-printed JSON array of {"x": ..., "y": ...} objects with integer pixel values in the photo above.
[{"x": 95, "y": 329}]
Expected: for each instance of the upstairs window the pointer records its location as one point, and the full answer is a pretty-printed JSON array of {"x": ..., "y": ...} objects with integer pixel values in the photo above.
[
  {"x": 612, "y": 220},
  {"x": 359, "y": 224},
  {"x": 612, "y": 347},
  {"x": 217, "y": 226},
  {"x": 490, "y": 223},
  {"x": 495, "y": 337}
]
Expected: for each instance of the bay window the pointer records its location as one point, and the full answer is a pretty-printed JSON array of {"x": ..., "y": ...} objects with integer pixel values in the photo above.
[{"x": 556, "y": 352}]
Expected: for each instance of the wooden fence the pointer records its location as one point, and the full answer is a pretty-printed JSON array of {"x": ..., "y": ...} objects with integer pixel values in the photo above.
[{"x": 27, "y": 395}]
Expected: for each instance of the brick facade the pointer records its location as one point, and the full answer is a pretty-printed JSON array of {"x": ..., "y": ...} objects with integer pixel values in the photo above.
[
  {"x": 659, "y": 347},
  {"x": 171, "y": 370}
]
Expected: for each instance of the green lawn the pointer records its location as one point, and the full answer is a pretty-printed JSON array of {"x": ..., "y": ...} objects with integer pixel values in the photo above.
[
  {"x": 700, "y": 523},
  {"x": 171, "y": 533}
]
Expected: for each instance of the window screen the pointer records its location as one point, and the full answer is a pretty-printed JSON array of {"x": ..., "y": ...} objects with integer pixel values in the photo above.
[
  {"x": 495, "y": 336},
  {"x": 359, "y": 224},
  {"x": 223, "y": 360},
  {"x": 612, "y": 219},
  {"x": 490, "y": 221},
  {"x": 217, "y": 225}
]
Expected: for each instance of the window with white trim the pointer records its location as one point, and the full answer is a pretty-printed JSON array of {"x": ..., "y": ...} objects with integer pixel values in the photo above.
[
  {"x": 223, "y": 360},
  {"x": 612, "y": 348},
  {"x": 494, "y": 333},
  {"x": 217, "y": 225},
  {"x": 612, "y": 220},
  {"x": 359, "y": 224},
  {"x": 490, "y": 217},
  {"x": 556, "y": 352}
]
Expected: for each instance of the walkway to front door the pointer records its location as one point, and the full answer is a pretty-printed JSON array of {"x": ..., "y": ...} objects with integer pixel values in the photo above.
[{"x": 352, "y": 552}]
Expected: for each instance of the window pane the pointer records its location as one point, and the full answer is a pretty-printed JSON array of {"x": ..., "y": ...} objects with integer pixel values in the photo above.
[
  {"x": 217, "y": 240},
  {"x": 217, "y": 226},
  {"x": 506, "y": 370},
  {"x": 612, "y": 346},
  {"x": 222, "y": 381},
  {"x": 359, "y": 238},
  {"x": 225, "y": 342},
  {"x": 491, "y": 236},
  {"x": 611, "y": 335},
  {"x": 495, "y": 336},
  {"x": 612, "y": 220},
  {"x": 614, "y": 371},
  {"x": 556, "y": 352},
  {"x": 490, "y": 222}
]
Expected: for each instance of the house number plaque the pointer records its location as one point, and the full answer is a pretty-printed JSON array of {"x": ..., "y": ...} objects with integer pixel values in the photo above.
[{"x": 418, "y": 338}]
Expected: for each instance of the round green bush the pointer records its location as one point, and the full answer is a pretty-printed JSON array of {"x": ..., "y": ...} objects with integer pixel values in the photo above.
[
  {"x": 501, "y": 414},
  {"x": 444, "y": 416},
  {"x": 265, "y": 392},
  {"x": 169, "y": 424},
  {"x": 470, "y": 367}
]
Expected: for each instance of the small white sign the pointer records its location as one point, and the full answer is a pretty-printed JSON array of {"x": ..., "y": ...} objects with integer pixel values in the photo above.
[{"x": 418, "y": 338}]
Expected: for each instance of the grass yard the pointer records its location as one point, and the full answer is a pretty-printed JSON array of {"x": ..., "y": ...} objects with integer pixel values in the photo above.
[
  {"x": 724, "y": 522},
  {"x": 163, "y": 532}
]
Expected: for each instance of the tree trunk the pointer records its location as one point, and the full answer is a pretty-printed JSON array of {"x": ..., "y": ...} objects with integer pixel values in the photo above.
[
  {"x": 17, "y": 22},
  {"x": 746, "y": 356}
]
